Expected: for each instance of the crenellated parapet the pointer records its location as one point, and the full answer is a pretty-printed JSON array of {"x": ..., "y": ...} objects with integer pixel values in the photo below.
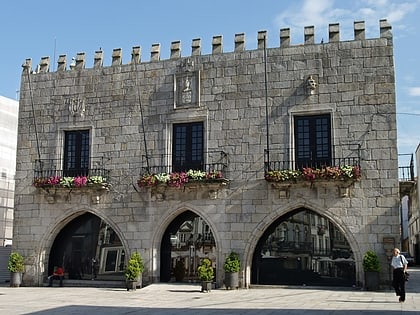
[{"x": 79, "y": 62}]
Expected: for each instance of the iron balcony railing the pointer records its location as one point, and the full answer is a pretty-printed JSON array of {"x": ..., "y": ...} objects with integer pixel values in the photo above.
[
  {"x": 406, "y": 173},
  {"x": 285, "y": 159},
  {"x": 214, "y": 161},
  {"x": 46, "y": 168}
]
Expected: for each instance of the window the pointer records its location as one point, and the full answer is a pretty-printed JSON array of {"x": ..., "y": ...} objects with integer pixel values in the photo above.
[
  {"x": 312, "y": 141},
  {"x": 187, "y": 148},
  {"x": 76, "y": 153},
  {"x": 112, "y": 260}
]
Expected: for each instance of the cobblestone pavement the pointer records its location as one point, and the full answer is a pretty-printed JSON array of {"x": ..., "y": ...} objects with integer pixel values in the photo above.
[{"x": 187, "y": 299}]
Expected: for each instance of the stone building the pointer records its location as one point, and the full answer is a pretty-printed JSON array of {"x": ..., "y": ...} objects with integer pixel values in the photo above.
[
  {"x": 409, "y": 188},
  {"x": 285, "y": 155}
]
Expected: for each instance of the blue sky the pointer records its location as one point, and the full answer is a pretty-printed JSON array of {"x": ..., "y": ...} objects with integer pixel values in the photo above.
[{"x": 33, "y": 29}]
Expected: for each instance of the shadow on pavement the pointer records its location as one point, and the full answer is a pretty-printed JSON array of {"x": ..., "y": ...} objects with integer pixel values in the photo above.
[{"x": 80, "y": 309}]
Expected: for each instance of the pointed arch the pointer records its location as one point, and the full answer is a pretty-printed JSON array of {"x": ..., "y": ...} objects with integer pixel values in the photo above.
[
  {"x": 289, "y": 210},
  {"x": 169, "y": 221},
  {"x": 60, "y": 223}
]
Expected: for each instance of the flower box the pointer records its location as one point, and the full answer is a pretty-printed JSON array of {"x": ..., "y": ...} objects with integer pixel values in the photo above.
[{"x": 181, "y": 179}]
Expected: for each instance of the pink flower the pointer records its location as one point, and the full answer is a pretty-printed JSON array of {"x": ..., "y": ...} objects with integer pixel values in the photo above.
[{"x": 80, "y": 181}]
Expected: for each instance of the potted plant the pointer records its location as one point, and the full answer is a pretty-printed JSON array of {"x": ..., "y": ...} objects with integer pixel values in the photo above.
[
  {"x": 371, "y": 267},
  {"x": 133, "y": 271},
  {"x": 179, "y": 270},
  {"x": 206, "y": 274},
  {"x": 16, "y": 267},
  {"x": 232, "y": 266}
]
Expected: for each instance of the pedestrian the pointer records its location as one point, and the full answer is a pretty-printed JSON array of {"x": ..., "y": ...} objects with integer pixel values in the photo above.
[
  {"x": 58, "y": 274},
  {"x": 399, "y": 264}
]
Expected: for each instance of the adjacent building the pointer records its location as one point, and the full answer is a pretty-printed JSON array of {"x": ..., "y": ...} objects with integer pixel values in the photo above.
[
  {"x": 8, "y": 137},
  {"x": 285, "y": 155},
  {"x": 8, "y": 130},
  {"x": 410, "y": 190}
]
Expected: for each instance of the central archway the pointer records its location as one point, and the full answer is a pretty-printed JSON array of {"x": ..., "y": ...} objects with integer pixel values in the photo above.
[
  {"x": 187, "y": 239},
  {"x": 303, "y": 248}
]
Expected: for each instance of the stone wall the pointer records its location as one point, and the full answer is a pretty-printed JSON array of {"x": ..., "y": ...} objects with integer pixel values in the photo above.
[{"x": 130, "y": 109}]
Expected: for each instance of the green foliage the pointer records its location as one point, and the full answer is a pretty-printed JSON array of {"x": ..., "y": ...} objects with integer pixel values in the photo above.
[
  {"x": 137, "y": 256},
  {"x": 232, "y": 263},
  {"x": 371, "y": 262},
  {"x": 134, "y": 267},
  {"x": 15, "y": 263},
  {"x": 205, "y": 271}
]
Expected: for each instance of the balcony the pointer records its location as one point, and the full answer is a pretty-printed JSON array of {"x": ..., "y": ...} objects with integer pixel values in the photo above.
[
  {"x": 284, "y": 171},
  {"x": 159, "y": 174},
  {"x": 50, "y": 177},
  {"x": 406, "y": 174}
]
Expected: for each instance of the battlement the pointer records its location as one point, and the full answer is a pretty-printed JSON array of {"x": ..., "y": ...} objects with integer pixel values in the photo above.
[{"x": 79, "y": 62}]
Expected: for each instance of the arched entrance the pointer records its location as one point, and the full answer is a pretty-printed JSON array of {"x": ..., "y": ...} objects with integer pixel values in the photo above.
[
  {"x": 88, "y": 248},
  {"x": 185, "y": 242},
  {"x": 303, "y": 248}
]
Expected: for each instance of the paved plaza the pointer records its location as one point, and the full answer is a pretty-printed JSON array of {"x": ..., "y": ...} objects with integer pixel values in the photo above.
[{"x": 187, "y": 299}]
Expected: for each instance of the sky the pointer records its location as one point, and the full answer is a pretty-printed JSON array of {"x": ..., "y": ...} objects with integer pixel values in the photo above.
[{"x": 34, "y": 29}]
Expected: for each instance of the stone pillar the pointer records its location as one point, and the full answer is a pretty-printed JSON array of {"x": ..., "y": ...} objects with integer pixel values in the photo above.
[
  {"x": 217, "y": 44},
  {"x": 62, "y": 63},
  {"x": 98, "y": 59},
  {"x": 155, "y": 52},
  {"x": 196, "y": 47},
  {"x": 334, "y": 32},
  {"x": 285, "y": 37},
  {"x": 239, "y": 42},
  {"x": 309, "y": 32},
  {"x": 80, "y": 61},
  {"x": 136, "y": 55},
  {"x": 44, "y": 64},
  {"x": 117, "y": 57},
  {"x": 176, "y": 49},
  {"x": 385, "y": 28},
  {"x": 359, "y": 30},
  {"x": 262, "y": 38}
]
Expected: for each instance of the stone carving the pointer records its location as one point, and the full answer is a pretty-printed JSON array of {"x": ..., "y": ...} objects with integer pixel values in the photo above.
[
  {"x": 186, "y": 89},
  {"x": 186, "y": 92},
  {"x": 76, "y": 106}
]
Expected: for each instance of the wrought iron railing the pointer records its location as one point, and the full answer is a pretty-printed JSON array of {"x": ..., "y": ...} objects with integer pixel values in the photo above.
[
  {"x": 46, "y": 168},
  {"x": 214, "y": 161},
  {"x": 406, "y": 173},
  {"x": 285, "y": 159}
]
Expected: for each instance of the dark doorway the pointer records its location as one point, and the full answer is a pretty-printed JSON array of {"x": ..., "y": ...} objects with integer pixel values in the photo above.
[
  {"x": 186, "y": 241},
  {"x": 303, "y": 248},
  {"x": 88, "y": 248}
]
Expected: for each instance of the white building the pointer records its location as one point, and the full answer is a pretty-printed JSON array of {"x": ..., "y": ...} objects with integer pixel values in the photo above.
[{"x": 8, "y": 137}]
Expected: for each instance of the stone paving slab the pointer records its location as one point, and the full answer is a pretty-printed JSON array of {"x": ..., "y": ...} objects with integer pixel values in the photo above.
[{"x": 187, "y": 299}]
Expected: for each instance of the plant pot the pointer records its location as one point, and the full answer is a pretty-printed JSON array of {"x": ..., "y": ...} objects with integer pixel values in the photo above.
[
  {"x": 139, "y": 281},
  {"x": 15, "y": 279},
  {"x": 206, "y": 286},
  {"x": 131, "y": 285},
  {"x": 371, "y": 280},
  {"x": 232, "y": 280}
]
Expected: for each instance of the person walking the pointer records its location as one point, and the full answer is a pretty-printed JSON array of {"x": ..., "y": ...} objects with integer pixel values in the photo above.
[{"x": 399, "y": 264}]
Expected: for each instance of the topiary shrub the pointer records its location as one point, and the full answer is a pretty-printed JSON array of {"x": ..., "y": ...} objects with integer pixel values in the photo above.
[
  {"x": 232, "y": 263},
  {"x": 371, "y": 262},
  {"x": 15, "y": 263},
  {"x": 205, "y": 271}
]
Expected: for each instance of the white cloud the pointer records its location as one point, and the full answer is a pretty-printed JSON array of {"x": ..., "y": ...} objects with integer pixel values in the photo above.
[
  {"x": 414, "y": 91},
  {"x": 323, "y": 12}
]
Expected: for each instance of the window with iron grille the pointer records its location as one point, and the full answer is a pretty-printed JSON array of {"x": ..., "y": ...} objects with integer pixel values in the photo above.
[
  {"x": 187, "y": 147},
  {"x": 76, "y": 153},
  {"x": 313, "y": 141}
]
